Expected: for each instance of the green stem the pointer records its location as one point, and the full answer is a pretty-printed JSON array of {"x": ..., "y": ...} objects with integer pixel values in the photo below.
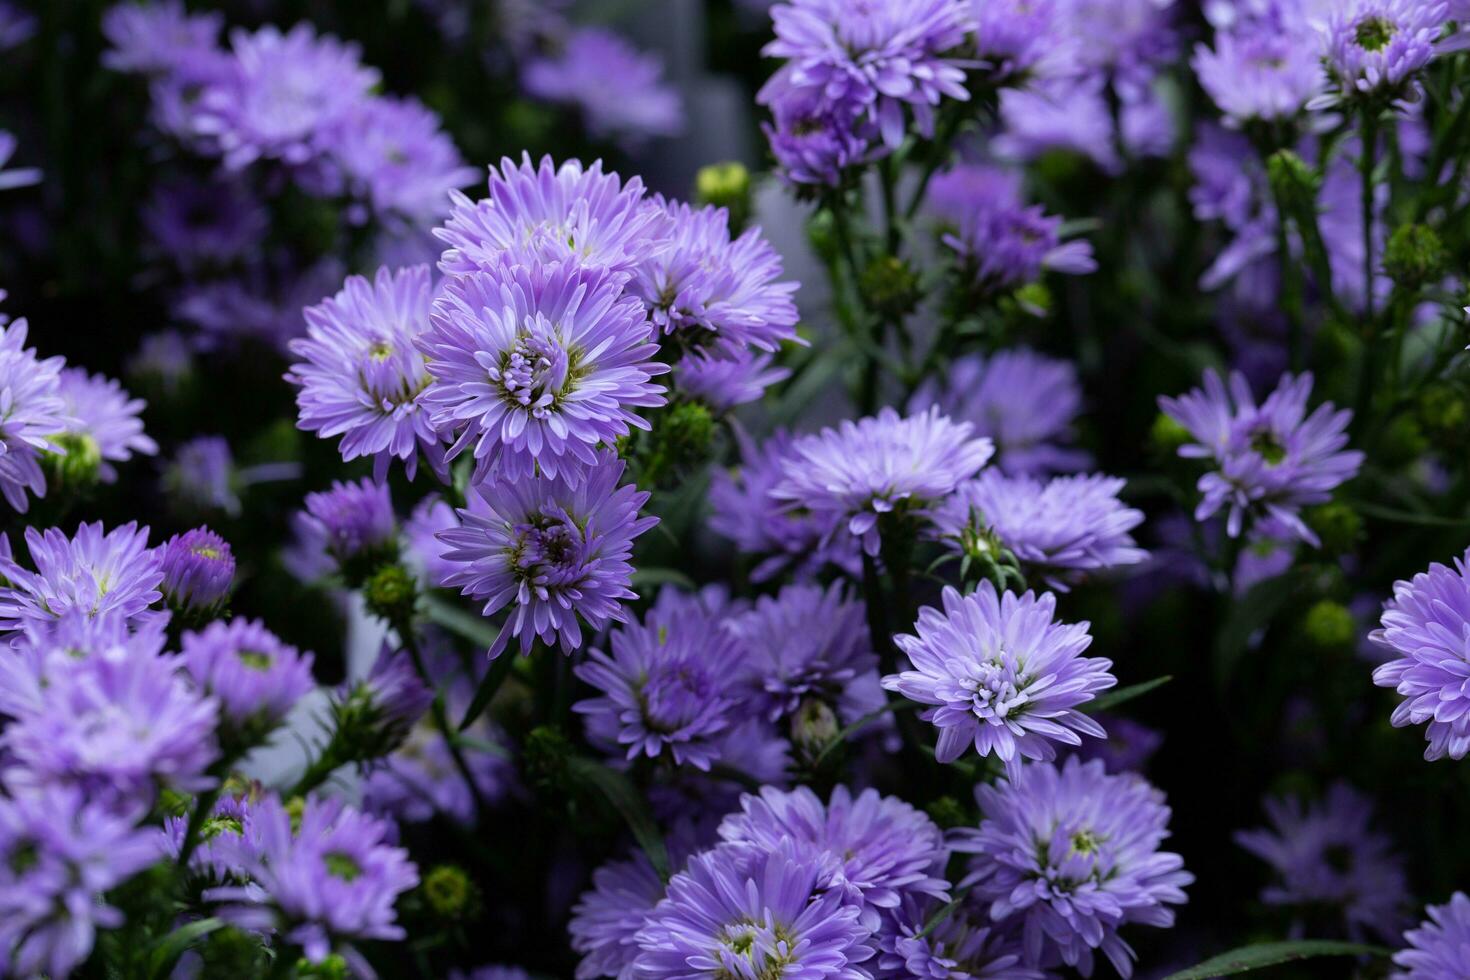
[
  {"x": 1371, "y": 335},
  {"x": 410, "y": 642},
  {"x": 202, "y": 807}
]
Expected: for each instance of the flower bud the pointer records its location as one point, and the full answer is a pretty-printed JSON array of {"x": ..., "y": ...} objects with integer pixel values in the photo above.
[
  {"x": 725, "y": 185},
  {"x": 74, "y": 464},
  {"x": 198, "y": 569},
  {"x": 1328, "y": 625},
  {"x": 546, "y": 755},
  {"x": 390, "y": 593},
  {"x": 450, "y": 893},
  {"x": 1414, "y": 256},
  {"x": 1337, "y": 526},
  {"x": 814, "y": 728},
  {"x": 375, "y": 715},
  {"x": 889, "y": 286}
]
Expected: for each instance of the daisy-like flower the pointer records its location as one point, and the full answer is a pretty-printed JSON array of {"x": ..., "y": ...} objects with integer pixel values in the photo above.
[
  {"x": 355, "y": 523},
  {"x": 1073, "y": 853},
  {"x": 105, "y": 420},
  {"x": 885, "y": 464},
  {"x": 1270, "y": 459},
  {"x": 1327, "y": 856},
  {"x": 43, "y": 649},
  {"x": 723, "y": 384},
  {"x": 550, "y": 213},
  {"x": 619, "y": 91},
  {"x": 958, "y": 948},
  {"x": 331, "y": 881},
  {"x": 256, "y": 678},
  {"x": 1064, "y": 527},
  {"x": 97, "y": 572},
  {"x": 884, "y": 849},
  {"x": 1440, "y": 947},
  {"x": 163, "y": 361},
  {"x": 284, "y": 93},
  {"x": 31, "y": 413},
  {"x": 534, "y": 367},
  {"x": 199, "y": 223},
  {"x": 814, "y": 140},
  {"x": 155, "y": 38},
  {"x": 60, "y": 852},
  {"x": 374, "y": 715},
  {"x": 361, "y": 375},
  {"x": 394, "y": 155},
  {"x": 1022, "y": 40},
  {"x": 740, "y": 911},
  {"x": 606, "y": 919},
  {"x": 1260, "y": 72},
  {"x": 1122, "y": 41},
  {"x": 715, "y": 295},
  {"x": 665, "y": 689},
  {"x": 198, "y": 568},
  {"x": 1375, "y": 47},
  {"x": 1426, "y": 626},
  {"x": 556, "y": 553},
  {"x": 1002, "y": 674},
  {"x": 1023, "y": 401}
]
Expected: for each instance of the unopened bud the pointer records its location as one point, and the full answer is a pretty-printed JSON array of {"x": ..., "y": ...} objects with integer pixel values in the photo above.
[
  {"x": 391, "y": 593},
  {"x": 1329, "y": 625},
  {"x": 1337, "y": 526},
  {"x": 890, "y": 286},
  {"x": 1167, "y": 435},
  {"x": 75, "y": 462},
  {"x": 1414, "y": 255},
  {"x": 725, "y": 185},
  {"x": 449, "y": 892}
]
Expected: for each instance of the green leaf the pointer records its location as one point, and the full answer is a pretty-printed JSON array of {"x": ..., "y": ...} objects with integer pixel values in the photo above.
[
  {"x": 1273, "y": 954},
  {"x": 644, "y": 577},
  {"x": 500, "y": 669},
  {"x": 1406, "y": 517},
  {"x": 167, "y": 949},
  {"x": 629, "y": 803},
  {"x": 872, "y": 716},
  {"x": 1112, "y": 699},
  {"x": 477, "y": 629}
]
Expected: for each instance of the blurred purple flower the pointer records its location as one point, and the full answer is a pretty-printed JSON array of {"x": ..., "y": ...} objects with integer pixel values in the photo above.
[
  {"x": 256, "y": 678},
  {"x": 106, "y": 418},
  {"x": 199, "y": 223},
  {"x": 724, "y": 384},
  {"x": 619, "y": 90},
  {"x": 394, "y": 154},
  {"x": 156, "y": 37},
  {"x": 1440, "y": 947}
]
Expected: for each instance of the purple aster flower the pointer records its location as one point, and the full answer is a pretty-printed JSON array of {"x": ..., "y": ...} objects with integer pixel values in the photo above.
[
  {"x": 538, "y": 366},
  {"x": 958, "y": 948},
  {"x": 96, "y": 571},
  {"x": 861, "y": 471},
  {"x": 331, "y": 881},
  {"x": 256, "y": 678},
  {"x": 394, "y": 154},
  {"x": 1426, "y": 627},
  {"x": 814, "y": 140},
  {"x": 715, "y": 295},
  {"x": 1375, "y": 47},
  {"x": 104, "y": 418},
  {"x": 1002, "y": 242},
  {"x": 884, "y": 850},
  {"x": 284, "y": 94},
  {"x": 1073, "y": 853},
  {"x": 1071, "y": 116},
  {"x": 1440, "y": 948},
  {"x": 725, "y": 384},
  {"x": 16, "y": 26},
  {"x": 20, "y": 176},
  {"x": 59, "y": 853},
  {"x": 361, "y": 376},
  {"x": 31, "y": 413},
  {"x": 1065, "y": 527},
  {"x": 607, "y": 918},
  {"x": 1260, "y": 72},
  {"x": 745, "y": 912},
  {"x": 41, "y": 650},
  {"x": 420, "y": 780},
  {"x": 261, "y": 306},
  {"x": 378, "y": 712},
  {"x": 550, "y": 213},
  {"x": 1025, "y": 402},
  {"x": 1122, "y": 40},
  {"x": 1127, "y": 747},
  {"x": 1272, "y": 459},
  {"x": 355, "y": 522},
  {"x": 1021, "y": 40},
  {"x": 228, "y": 842},
  {"x": 202, "y": 223},
  {"x": 664, "y": 689},
  {"x": 202, "y": 476},
  {"x": 117, "y": 727},
  {"x": 1003, "y": 675},
  {"x": 198, "y": 568},
  {"x": 1327, "y": 855},
  {"x": 558, "y": 553},
  {"x": 619, "y": 90},
  {"x": 156, "y": 37},
  {"x": 883, "y": 55}
]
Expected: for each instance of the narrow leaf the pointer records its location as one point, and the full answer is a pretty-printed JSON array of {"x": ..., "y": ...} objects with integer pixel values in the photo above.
[
  {"x": 865, "y": 720},
  {"x": 1273, "y": 954},
  {"x": 168, "y": 948},
  {"x": 1111, "y": 699},
  {"x": 499, "y": 670},
  {"x": 645, "y": 577},
  {"x": 477, "y": 629},
  {"x": 624, "y": 798}
]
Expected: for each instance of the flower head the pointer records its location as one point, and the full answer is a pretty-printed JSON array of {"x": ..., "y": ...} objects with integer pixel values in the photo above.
[
  {"x": 1440, "y": 947},
  {"x": 814, "y": 140},
  {"x": 619, "y": 90},
  {"x": 155, "y": 38},
  {"x": 1376, "y": 46},
  {"x": 606, "y": 919},
  {"x": 963, "y": 946},
  {"x": 355, "y": 521},
  {"x": 104, "y": 418},
  {"x": 723, "y": 384},
  {"x": 97, "y": 571},
  {"x": 198, "y": 569},
  {"x": 32, "y": 411},
  {"x": 376, "y": 714},
  {"x": 1023, "y": 40},
  {"x": 1260, "y": 73},
  {"x": 394, "y": 155},
  {"x": 202, "y": 476},
  {"x": 256, "y": 678}
]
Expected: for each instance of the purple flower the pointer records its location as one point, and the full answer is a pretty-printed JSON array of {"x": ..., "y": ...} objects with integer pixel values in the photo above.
[
  {"x": 861, "y": 471},
  {"x": 1440, "y": 948},
  {"x": 958, "y": 948},
  {"x": 1021, "y": 40},
  {"x": 1327, "y": 856},
  {"x": 379, "y": 712},
  {"x": 33, "y": 413},
  {"x": 884, "y": 850},
  {"x": 1426, "y": 627},
  {"x": 355, "y": 522},
  {"x": 18, "y": 177},
  {"x": 491, "y": 973},
  {"x": 393, "y": 154},
  {"x": 1260, "y": 72},
  {"x": 535, "y": 367},
  {"x": 1003, "y": 675},
  {"x": 1271, "y": 459},
  {"x": 665, "y": 688},
  {"x": 59, "y": 853},
  {"x": 16, "y": 26},
  {"x": 333, "y": 880},
  {"x": 619, "y": 91},
  {"x": 606, "y": 920},
  {"x": 199, "y": 223},
  {"x": 546, "y": 213},
  {"x": 724, "y": 384},
  {"x": 1070, "y": 115},
  {"x": 556, "y": 552},
  {"x": 814, "y": 140},
  {"x": 228, "y": 841},
  {"x": 96, "y": 572},
  {"x": 256, "y": 678},
  {"x": 713, "y": 295},
  {"x": 745, "y": 912},
  {"x": 198, "y": 569},
  {"x": 1025, "y": 402},
  {"x": 1376, "y": 46},
  {"x": 1124, "y": 41},
  {"x": 156, "y": 37},
  {"x": 260, "y": 307},
  {"x": 362, "y": 378},
  {"x": 285, "y": 94},
  {"x": 1065, "y": 527},
  {"x": 202, "y": 476},
  {"x": 41, "y": 650},
  {"x": 104, "y": 417},
  {"x": 420, "y": 779},
  {"x": 1073, "y": 853}
]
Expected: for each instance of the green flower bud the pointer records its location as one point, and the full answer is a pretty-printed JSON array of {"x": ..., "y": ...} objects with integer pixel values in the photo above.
[
  {"x": 1329, "y": 625},
  {"x": 814, "y": 728},
  {"x": 725, "y": 185},
  {"x": 1166, "y": 435},
  {"x": 890, "y": 286},
  {"x": 1033, "y": 298},
  {"x": 450, "y": 892},
  {"x": 948, "y": 813},
  {"x": 1414, "y": 256},
  {"x": 1443, "y": 413},
  {"x": 390, "y": 593},
  {"x": 546, "y": 756},
  {"x": 1337, "y": 525},
  {"x": 333, "y": 967},
  {"x": 75, "y": 463}
]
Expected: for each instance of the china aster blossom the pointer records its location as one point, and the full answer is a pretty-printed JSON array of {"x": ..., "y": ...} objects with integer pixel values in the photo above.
[
  {"x": 1069, "y": 115},
  {"x": 330, "y": 881},
  {"x": 105, "y": 418},
  {"x": 1123, "y": 41},
  {"x": 1327, "y": 855},
  {"x": 741, "y": 912},
  {"x": 355, "y": 520},
  {"x": 394, "y": 155},
  {"x": 60, "y": 852},
  {"x": 549, "y": 213},
  {"x": 1426, "y": 627},
  {"x": 256, "y": 678},
  {"x": 1073, "y": 853},
  {"x": 884, "y": 849},
  {"x": 96, "y": 571},
  {"x": 1271, "y": 458},
  {"x": 1024, "y": 401},
  {"x": 32, "y": 411},
  {"x": 1440, "y": 948},
  {"x": 714, "y": 294},
  {"x": 958, "y": 948},
  {"x": 862, "y": 471},
  {"x": 43, "y": 649},
  {"x": 723, "y": 384},
  {"x": 1375, "y": 47},
  {"x": 1260, "y": 73},
  {"x": 619, "y": 91},
  {"x": 1022, "y": 40},
  {"x": 155, "y": 38},
  {"x": 379, "y": 711},
  {"x": 204, "y": 222},
  {"x": 198, "y": 568},
  {"x": 283, "y": 95},
  {"x": 814, "y": 140},
  {"x": 557, "y": 553},
  {"x": 535, "y": 367},
  {"x": 361, "y": 377},
  {"x": 1002, "y": 675},
  {"x": 606, "y": 919},
  {"x": 1064, "y": 527}
]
